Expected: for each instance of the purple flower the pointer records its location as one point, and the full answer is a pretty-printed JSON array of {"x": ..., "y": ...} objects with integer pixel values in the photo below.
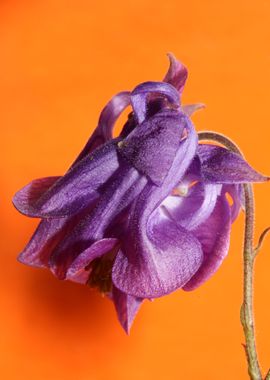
[{"x": 143, "y": 214}]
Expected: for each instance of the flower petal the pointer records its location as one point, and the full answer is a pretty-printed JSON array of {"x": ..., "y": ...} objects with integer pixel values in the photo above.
[
  {"x": 177, "y": 73},
  {"x": 107, "y": 119},
  {"x": 140, "y": 97},
  {"x": 214, "y": 236},
  {"x": 47, "y": 235},
  {"x": 79, "y": 187},
  {"x": 24, "y": 200},
  {"x": 126, "y": 307},
  {"x": 219, "y": 165},
  {"x": 79, "y": 270},
  {"x": 119, "y": 192},
  {"x": 158, "y": 257},
  {"x": 29, "y": 194},
  {"x": 192, "y": 210},
  {"x": 151, "y": 147},
  {"x": 162, "y": 259}
]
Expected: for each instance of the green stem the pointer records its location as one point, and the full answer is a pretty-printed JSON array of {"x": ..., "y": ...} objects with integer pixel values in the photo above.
[{"x": 247, "y": 314}]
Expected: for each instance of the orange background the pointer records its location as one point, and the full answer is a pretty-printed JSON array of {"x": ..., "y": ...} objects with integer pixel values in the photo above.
[{"x": 60, "y": 63}]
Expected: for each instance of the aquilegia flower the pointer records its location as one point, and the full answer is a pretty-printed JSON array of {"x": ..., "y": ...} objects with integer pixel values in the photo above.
[{"x": 143, "y": 214}]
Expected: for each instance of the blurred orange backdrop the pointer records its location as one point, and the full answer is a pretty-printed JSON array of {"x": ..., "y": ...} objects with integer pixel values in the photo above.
[{"x": 61, "y": 61}]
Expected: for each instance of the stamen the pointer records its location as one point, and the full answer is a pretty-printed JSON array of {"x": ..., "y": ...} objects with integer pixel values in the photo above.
[
  {"x": 181, "y": 190},
  {"x": 121, "y": 144},
  {"x": 100, "y": 276},
  {"x": 101, "y": 271}
]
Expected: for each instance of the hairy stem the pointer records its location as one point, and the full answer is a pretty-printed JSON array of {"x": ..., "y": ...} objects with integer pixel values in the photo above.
[{"x": 247, "y": 314}]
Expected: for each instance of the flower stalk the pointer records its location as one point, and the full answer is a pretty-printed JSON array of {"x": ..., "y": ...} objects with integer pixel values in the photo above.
[{"x": 249, "y": 255}]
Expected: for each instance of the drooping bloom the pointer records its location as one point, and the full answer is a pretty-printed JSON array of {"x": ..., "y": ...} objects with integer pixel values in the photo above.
[{"x": 143, "y": 214}]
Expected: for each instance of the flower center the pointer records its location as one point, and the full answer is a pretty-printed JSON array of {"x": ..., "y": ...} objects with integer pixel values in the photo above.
[
  {"x": 101, "y": 275},
  {"x": 181, "y": 190},
  {"x": 101, "y": 271}
]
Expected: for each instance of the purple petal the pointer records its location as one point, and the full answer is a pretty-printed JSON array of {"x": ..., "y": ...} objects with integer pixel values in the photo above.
[
  {"x": 79, "y": 187},
  {"x": 38, "y": 250},
  {"x": 121, "y": 190},
  {"x": 25, "y": 199},
  {"x": 214, "y": 236},
  {"x": 47, "y": 235},
  {"x": 79, "y": 270},
  {"x": 177, "y": 74},
  {"x": 111, "y": 112},
  {"x": 219, "y": 165},
  {"x": 102, "y": 133},
  {"x": 162, "y": 259},
  {"x": 151, "y": 147},
  {"x": 191, "y": 210},
  {"x": 140, "y": 97},
  {"x": 126, "y": 307},
  {"x": 107, "y": 119},
  {"x": 158, "y": 257},
  {"x": 29, "y": 194}
]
